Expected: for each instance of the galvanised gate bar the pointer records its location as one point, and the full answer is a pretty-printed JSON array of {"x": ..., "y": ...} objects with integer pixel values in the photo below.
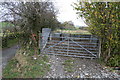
[{"x": 84, "y": 46}]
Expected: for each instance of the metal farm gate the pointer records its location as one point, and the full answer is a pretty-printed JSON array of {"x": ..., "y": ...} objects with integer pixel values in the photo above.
[{"x": 85, "y": 46}]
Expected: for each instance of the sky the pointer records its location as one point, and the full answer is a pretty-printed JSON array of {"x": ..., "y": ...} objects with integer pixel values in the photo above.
[{"x": 66, "y": 12}]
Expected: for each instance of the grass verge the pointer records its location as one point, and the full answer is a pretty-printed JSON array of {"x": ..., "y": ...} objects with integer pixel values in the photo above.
[
  {"x": 24, "y": 66},
  {"x": 10, "y": 43},
  {"x": 68, "y": 65}
]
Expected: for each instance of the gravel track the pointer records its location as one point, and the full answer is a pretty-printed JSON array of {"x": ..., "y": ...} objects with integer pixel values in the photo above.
[{"x": 83, "y": 68}]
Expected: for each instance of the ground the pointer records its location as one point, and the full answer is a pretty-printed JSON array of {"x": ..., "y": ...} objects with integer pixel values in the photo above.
[
  {"x": 8, "y": 53},
  {"x": 69, "y": 67},
  {"x": 80, "y": 68}
]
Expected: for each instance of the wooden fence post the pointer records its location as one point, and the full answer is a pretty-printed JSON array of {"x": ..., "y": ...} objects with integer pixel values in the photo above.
[
  {"x": 39, "y": 43},
  {"x": 99, "y": 53}
]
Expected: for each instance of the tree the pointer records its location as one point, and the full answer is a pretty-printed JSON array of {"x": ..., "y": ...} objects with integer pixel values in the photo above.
[
  {"x": 103, "y": 20},
  {"x": 31, "y": 17},
  {"x": 68, "y": 25}
]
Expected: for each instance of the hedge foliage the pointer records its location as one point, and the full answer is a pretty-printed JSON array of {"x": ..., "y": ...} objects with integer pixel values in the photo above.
[{"x": 103, "y": 20}]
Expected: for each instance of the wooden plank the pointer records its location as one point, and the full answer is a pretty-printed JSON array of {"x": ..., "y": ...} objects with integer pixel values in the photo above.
[{"x": 99, "y": 54}]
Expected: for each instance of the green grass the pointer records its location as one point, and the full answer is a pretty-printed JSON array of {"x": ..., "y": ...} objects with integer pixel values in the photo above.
[
  {"x": 34, "y": 68},
  {"x": 74, "y": 31},
  {"x": 11, "y": 42},
  {"x": 100, "y": 61},
  {"x": 8, "y": 71},
  {"x": 9, "y": 33},
  {"x": 5, "y": 24},
  {"x": 68, "y": 65}
]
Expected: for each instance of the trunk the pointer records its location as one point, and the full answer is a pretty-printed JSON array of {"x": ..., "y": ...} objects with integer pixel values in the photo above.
[
  {"x": 34, "y": 36},
  {"x": 108, "y": 55}
]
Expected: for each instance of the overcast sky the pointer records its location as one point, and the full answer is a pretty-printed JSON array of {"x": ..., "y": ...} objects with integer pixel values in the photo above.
[{"x": 66, "y": 12}]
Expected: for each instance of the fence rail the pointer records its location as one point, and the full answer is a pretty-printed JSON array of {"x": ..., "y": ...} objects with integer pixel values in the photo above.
[
  {"x": 56, "y": 41},
  {"x": 73, "y": 44},
  {"x": 74, "y": 48},
  {"x": 74, "y": 51},
  {"x": 73, "y": 38},
  {"x": 71, "y": 55}
]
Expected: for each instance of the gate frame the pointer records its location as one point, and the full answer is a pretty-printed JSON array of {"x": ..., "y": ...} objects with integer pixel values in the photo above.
[{"x": 71, "y": 38}]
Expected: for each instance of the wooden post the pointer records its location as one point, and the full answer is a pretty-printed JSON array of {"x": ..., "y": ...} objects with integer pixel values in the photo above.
[
  {"x": 91, "y": 38},
  {"x": 99, "y": 53},
  {"x": 50, "y": 36},
  {"x": 39, "y": 43}
]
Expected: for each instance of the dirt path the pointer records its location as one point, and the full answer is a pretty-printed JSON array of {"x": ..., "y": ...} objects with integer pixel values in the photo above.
[{"x": 82, "y": 68}]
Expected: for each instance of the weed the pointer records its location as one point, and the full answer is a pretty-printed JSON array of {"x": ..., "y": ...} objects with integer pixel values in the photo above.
[
  {"x": 68, "y": 65},
  {"x": 114, "y": 61}
]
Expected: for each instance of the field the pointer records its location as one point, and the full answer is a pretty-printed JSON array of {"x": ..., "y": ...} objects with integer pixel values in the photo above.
[
  {"x": 74, "y": 31},
  {"x": 5, "y": 24}
]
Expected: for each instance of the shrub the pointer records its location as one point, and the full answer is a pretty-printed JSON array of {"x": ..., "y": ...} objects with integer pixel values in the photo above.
[{"x": 114, "y": 61}]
